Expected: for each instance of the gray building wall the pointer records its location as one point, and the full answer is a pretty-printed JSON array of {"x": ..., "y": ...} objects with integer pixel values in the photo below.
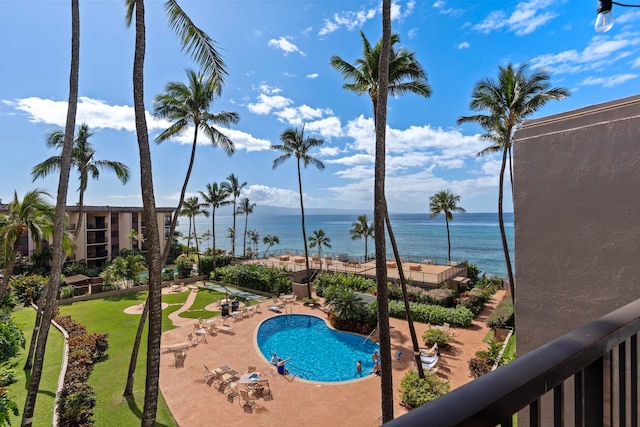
[{"x": 577, "y": 218}]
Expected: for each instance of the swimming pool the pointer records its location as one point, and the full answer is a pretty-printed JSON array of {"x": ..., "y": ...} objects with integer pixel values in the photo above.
[{"x": 316, "y": 352}]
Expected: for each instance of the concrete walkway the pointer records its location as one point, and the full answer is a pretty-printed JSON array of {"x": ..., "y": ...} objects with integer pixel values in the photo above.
[{"x": 175, "y": 316}]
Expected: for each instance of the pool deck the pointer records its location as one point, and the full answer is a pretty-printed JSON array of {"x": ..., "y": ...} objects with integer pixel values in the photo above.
[{"x": 296, "y": 402}]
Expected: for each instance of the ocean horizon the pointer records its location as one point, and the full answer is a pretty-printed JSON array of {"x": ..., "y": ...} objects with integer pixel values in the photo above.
[{"x": 475, "y": 237}]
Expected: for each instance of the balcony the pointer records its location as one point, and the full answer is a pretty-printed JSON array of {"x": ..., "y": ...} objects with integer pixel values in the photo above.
[{"x": 590, "y": 377}]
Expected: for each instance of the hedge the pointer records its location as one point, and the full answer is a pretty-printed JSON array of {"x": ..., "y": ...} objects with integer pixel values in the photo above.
[{"x": 433, "y": 314}]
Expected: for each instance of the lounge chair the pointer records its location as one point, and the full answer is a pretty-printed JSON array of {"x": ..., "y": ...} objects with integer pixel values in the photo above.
[
  {"x": 224, "y": 328},
  {"x": 207, "y": 374},
  {"x": 429, "y": 351},
  {"x": 233, "y": 392},
  {"x": 428, "y": 363},
  {"x": 256, "y": 308}
]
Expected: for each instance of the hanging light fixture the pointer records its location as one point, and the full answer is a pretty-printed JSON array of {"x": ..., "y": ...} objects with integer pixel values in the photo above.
[{"x": 604, "y": 20}]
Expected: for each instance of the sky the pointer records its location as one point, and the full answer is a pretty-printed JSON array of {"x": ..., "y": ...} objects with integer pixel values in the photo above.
[{"x": 277, "y": 54}]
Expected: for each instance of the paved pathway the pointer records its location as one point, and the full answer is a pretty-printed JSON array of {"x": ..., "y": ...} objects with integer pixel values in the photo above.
[{"x": 175, "y": 316}]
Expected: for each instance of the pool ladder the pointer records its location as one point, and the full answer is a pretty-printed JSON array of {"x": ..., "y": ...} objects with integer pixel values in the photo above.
[{"x": 368, "y": 337}]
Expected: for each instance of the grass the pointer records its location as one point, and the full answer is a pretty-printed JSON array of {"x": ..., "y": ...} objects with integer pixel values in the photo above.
[
  {"x": 510, "y": 351},
  {"x": 43, "y": 414},
  {"x": 109, "y": 376},
  {"x": 489, "y": 337},
  {"x": 204, "y": 297}
]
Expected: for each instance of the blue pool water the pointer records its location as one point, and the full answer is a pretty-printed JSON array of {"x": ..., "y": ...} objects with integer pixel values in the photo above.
[{"x": 316, "y": 352}]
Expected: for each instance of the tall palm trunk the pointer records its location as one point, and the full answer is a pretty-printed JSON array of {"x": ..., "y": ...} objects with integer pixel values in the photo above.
[
  {"x": 154, "y": 300},
  {"x": 8, "y": 268},
  {"x": 61, "y": 202},
  {"x": 380, "y": 108},
  {"x": 244, "y": 246},
  {"x": 189, "y": 236},
  {"x": 195, "y": 237},
  {"x": 304, "y": 232},
  {"x": 503, "y": 234},
  {"x": 233, "y": 239},
  {"x": 213, "y": 232},
  {"x": 405, "y": 296},
  {"x": 446, "y": 220},
  {"x": 76, "y": 232}
]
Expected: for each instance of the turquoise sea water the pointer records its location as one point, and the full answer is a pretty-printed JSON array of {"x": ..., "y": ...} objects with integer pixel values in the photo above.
[
  {"x": 315, "y": 352},
  {"x": 474, "y": 236}
]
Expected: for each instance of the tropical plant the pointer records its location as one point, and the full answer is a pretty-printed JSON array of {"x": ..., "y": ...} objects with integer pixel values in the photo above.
[
  {"x": 234, "y": 188},
  {"x": 31, "y": 215},
  {"x": 270, "y": 240},
  {"x": 246, "y": 208},
  {"x": 134, "y": 237},
  {"x": 416, "y": 391},
  {"x": 83, "y": 159},
  {"x": 344, "y": 302},
  {"x": 214, "y": 197},
  {"x": 319, "y": 239},
  {"x": 203, "y": 50},
  {"x": 362, "y": 229},
  {"x": 294, "y": 144},
  {"x": 380, "y": 71},
  {"x": 7, "y": 406},
  {"x": 11, "y": 338},
  {"x": 254, "y": 237},
  {"x": 191, "y": 209},
  {"x": 436, "y": 336},
  {"x": 508, "y": 100},
  {"x": 445, "y": 202}
]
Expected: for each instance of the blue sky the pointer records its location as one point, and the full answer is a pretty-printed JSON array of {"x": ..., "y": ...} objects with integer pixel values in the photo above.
[{"x": 277, "y": 54}]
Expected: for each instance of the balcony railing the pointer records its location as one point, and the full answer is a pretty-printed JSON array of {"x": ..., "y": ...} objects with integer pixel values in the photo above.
[{"x": 590, "y": 375}]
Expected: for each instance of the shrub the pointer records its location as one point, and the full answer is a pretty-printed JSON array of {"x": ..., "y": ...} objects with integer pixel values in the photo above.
[
  {"x": 266, "y": 279},
  {"x": 184, "y": 266},
  {"x": 28, "y": 288},
  {"x": 11, "y": 338},
  {"x": 75, "y": 405},
  {"x": 473, "y": 272},
  {"x": 440, "y": 296},
  {"x": 436, "y": 336},
  {"x": 474, "y": 300},
  {"x": 479, "y": 366},
  {"x": 502, "y": 316},
  {"x": 66, "y": 292},
  {"x": 415, "y": 391},
  {"x": 7, "y": 406},
  {"x": 434, "y": 314},
  {"x": 350, "y": 280}
]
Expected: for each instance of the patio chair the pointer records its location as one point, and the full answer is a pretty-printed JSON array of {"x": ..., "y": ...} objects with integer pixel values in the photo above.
[
  {"x": 211, "y": 329},
  {"x": 192, "y": 339},
  {"x": 208, "y": 373},
  {"x": 247, "y": 401},
  {"x": 233, "y": 392},
  {"x": 178, "y": 358},
  {"x": 263, "y": 387},
  {"x": 256, "y": 308},
  {"x": 251, "y": 368}
]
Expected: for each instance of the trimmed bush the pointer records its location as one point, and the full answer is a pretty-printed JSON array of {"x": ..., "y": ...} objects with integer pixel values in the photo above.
[
  {"x": 67, "y": 292},
  {"x": 184, "y": 266},
  {"x": 479, "y": 366},
  {"x": 440, "y": 296},
  {"x": 436, "y": 336},
  {"x": 474, "y": 300},
  {"x": 416, "y": 392},
  {"x": 434, "y": 314},
  {"x": 266, "y": 279},
  {"x": 350, "y": 280},
  {"x": 28, "y": 288}
]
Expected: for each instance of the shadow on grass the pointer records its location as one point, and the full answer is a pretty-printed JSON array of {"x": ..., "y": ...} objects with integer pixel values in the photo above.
[
  {"x": 135, "y": 409},
  {"x": 131, "y": 296}
]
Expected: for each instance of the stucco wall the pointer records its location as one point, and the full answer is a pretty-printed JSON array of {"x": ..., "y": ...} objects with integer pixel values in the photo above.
[{"x": 577, "y": 218}]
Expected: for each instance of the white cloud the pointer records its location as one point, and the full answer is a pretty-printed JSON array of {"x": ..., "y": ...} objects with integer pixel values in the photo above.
[
  {"x": 636, "y": 63},
  {"x": 298, "y": 115},
  {"x": 288, "y": 74},
  {"x": 525, "y": 19},
  {"x": 269, "y": 90},
  {"x": 348, "y": 19},
  {"x": 325, "y": 151},
  {"x": 627, "y": 17},
  {"x": 412, "y": 33},
  {"x": 329, "y": 127},
  {"x": 313, "y": 76},
  {"x": 263, "y": 195},
  {"x": 96, "y": 113},
  {"x": 601, "y": 50},
  {"x": 463, "y": 45},
  {"x": 285, "y": 45},
  {"x": 267, "y": 103},
  {"x": 398, "y": 13},
  {"x": 609, "y": 81},
  {"x": 441, "y": 6}
]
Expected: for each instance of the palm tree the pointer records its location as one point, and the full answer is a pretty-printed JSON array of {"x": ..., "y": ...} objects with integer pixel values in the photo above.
[
  {"x": 233, "y": 187},
  {"x": 254, "y": 237},
  {"x": 82, "y": 158},
  {"x": 295, "y": 144},
  {"x": 203, "y": 49},
  {"x": 47, "y": 305},
  {"x": 231, "y": 234},
  {"x": 191, "y": 209},
  {"x": 319, "y": 239},
  {"x": 270, "y": 240},
  {"x": 189, "y": 104},
  {"x": 515, "y": 95},
  {"x": 406, "y": 75},
  {"x": 134, "y": 237},
  {"x": 447, "y": 203},
  {"x": 215, "y": 197},
  {"x": 360, "y": 229},
  {"x": 246, "y": 208},
  {"x": 31, "y": 215},
  {"x": 380, "y": 71}
]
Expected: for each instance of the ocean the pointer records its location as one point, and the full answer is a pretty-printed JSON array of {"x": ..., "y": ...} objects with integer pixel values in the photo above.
[{"x": 475, "y": 237}]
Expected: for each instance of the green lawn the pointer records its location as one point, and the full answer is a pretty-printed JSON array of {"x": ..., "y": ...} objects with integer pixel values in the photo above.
[
  {"x": 53, "y": 356},
  {"x": 109, "y": 376},
  {"x": 203, "y": 298},
  {"x": 510, "y": 351}
]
